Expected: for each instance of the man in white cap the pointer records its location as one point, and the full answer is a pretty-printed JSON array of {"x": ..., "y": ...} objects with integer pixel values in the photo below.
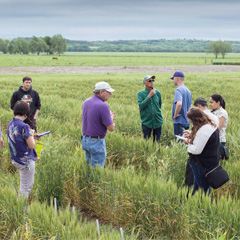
[
  {"x": 150, "y": 102},
  {"x": 97, "y": 119}
]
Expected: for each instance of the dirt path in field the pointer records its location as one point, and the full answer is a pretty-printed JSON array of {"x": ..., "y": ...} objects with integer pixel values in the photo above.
[{"x": 117, "y": 69}]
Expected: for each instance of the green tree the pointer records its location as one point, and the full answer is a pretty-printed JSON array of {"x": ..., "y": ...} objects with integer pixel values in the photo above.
[
  {"x": 38, "y": 45},
  {"x": 3, "y": 45},
  {"x": 225, "y": 47},
  {"x": 19, "y": 45},
  {"x": 48, "y": 41},
  {"x": 220, "y": 47},
  {"x": 59, "y": 44}
]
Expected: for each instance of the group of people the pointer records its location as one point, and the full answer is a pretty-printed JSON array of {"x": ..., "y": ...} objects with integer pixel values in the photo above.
[
  {"x": 208, "y": 127},
  {"x": 203, "y": 139},
  {"x": 21, "y": 132}
]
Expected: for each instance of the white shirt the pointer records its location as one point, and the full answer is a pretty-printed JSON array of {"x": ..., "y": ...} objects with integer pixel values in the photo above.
[
  {"x": 212, "y": 116},
  {"x": 222, "y": 113},
  {"x": 201, "y": 139}
]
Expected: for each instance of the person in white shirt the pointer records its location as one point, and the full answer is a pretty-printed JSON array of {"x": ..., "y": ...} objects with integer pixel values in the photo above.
[
  {"x": 203, "y": 147},
  {"x": 200, "y": 103},
  {"x": 217, "y": 104}
]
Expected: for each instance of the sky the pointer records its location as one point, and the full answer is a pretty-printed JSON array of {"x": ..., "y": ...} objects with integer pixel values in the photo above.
[{"x": 121, "y": 20}]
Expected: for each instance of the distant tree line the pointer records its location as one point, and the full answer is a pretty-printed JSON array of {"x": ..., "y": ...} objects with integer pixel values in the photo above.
[
  {"x": 160, "y": 45},
  {"x": 56, "y": 44}
]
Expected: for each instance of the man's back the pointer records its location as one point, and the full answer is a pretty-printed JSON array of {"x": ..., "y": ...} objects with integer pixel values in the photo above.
[
  {"x": 96, "y": 117},
  {"x": 182, "y": 93}
]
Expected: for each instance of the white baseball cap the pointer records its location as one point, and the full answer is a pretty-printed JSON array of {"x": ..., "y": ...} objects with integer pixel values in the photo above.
[{"x": 103, "y": 86}]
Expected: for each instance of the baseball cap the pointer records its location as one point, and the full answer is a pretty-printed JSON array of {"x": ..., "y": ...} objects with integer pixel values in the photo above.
[
  {"x": 201, "y": 101},
  {"x": 147, "y": 77},
  {"x": 177, "y": 74},
  {"x": 103, "y": 86}
]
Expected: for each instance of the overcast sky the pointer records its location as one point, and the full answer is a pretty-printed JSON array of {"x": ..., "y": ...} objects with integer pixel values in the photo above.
[{"x": 122, "y": 19}]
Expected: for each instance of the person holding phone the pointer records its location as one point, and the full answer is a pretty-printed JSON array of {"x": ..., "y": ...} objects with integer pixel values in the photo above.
[
  {"x": 150, "y": 102},
  {"x": 203, "y": 147},
  {"x": 21, "y": 144}
]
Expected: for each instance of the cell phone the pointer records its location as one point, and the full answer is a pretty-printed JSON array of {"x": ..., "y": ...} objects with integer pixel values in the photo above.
[
  {"x": 181, "y": 137},
  {"x": 43, "y": 134}
]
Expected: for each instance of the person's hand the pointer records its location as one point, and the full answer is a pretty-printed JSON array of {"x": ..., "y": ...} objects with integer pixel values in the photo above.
[
  {"x": 175, "y": 117},
  {"x": 186, "y": 141},
  {"x": 151, "y": 93},
  {"x": 186, "y": 133},
  {"x": 34, "y": 123},
  {"x": 113, "y": 116},
  {"x": 1, "y": 142},
  {"x": 35, "y": 136}
]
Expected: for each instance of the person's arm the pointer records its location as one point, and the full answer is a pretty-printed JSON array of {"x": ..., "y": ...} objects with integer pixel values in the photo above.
[
  {"x": 38, "y": 103},
  {"x": 201, "y": 139},
  {"x": 177, "y": 109},
  {"x": 111, "y": 127},
  {"x": 143, "y": 102},
  {"x": 160, "y": 99},
  {"x": 1, "y": 140},
  {"x": 36, "y": 114},
  {"x": 13, "y": 100},
  {"x": 221, "y": 123},
  {"x": 30, "y": 142}
]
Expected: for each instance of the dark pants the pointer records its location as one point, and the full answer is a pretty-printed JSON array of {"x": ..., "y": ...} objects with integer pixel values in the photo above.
[
  {"x": 179, "y": 128},
  {"x": 156, "y": 133},
  {"x": 188, "y": 174}
]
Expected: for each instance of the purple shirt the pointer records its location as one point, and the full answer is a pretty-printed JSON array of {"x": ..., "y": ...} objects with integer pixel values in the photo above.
[
  {"x": 0, "y": 130},
  {"x": 96, "y": 116},
  {"x": 17, "y": 133}
]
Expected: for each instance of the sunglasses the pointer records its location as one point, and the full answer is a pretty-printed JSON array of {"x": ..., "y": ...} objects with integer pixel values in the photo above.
[{"x": 150, "y": 80}]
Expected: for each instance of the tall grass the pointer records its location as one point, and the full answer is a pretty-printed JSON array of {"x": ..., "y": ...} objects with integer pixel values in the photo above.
[{"x": 141, "y": 189}]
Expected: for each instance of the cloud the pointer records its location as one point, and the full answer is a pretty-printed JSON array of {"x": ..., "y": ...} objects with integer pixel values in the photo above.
[{"x": 126, "y": 19}]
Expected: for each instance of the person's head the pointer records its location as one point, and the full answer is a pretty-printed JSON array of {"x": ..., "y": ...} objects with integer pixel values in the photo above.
[
  {"x": 216, "y": 101},
  {"x": 27, "y": 83},
  {"x": 198, "y": 118},
  {"x": 201, "y": 103},
  {"x": 103, "y": 90},
  {"x": 148, "y": 81},
  {"x": 178, "y": 78},
  {"x": 21, "y": 108}
]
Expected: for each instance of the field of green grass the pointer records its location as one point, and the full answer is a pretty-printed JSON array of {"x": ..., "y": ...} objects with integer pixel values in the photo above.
[
  {"x": 141, "y": 189},
  {"x": 115, "y": 59}
]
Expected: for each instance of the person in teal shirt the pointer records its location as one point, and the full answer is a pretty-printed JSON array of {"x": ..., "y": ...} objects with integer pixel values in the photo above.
[{"x": 150, "y": 102}]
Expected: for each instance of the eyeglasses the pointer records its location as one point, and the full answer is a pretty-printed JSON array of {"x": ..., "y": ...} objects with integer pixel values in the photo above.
[{"x": 150, "y": 80}]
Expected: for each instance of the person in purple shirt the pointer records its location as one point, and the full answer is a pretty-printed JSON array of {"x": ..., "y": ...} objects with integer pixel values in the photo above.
[
  {"x": 97, "y": 119},
  {"x": 1, "y": 140},
  {"x": 21, "y": 144}
]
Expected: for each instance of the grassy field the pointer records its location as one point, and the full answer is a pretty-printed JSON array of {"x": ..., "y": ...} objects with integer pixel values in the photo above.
[
  {"x": 141, "y": 188},
  {"x": 115, "y": 59}
]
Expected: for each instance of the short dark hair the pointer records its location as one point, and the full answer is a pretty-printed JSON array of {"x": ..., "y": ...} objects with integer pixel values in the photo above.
[
  {"x": 201, "y": 101},
  {"x": 26, "y": 78},
  {"x": 21, "y": 108}
]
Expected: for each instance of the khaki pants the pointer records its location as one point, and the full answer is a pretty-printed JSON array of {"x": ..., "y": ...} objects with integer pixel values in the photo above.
[{"x": 26, "y": 177}]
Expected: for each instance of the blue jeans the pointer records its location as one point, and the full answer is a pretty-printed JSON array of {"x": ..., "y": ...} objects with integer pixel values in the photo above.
[
  {"x": 178, "y": 129},
  {"x": 95, "y": 151},
  {"x": 156, "y": 133},
  {"x": 200, "y": 181}
]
